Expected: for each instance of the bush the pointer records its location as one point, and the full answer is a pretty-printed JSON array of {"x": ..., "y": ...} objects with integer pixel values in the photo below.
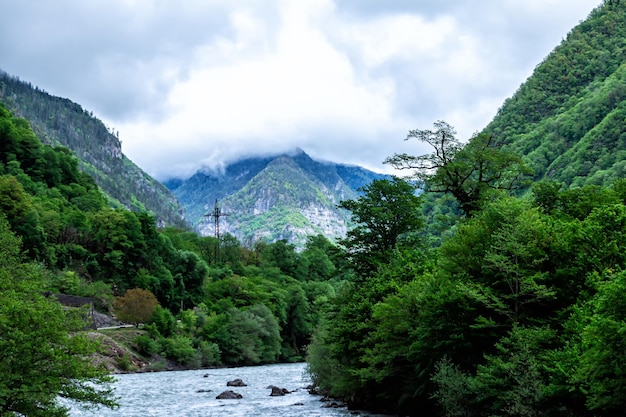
[
  {"x": 124, "y": 362},
  {"x": 146, "y": 345},
  {"x": 180, "y": 349},
  {"x": 210, "y": 354},
  {"x": 164, "y": 320}
]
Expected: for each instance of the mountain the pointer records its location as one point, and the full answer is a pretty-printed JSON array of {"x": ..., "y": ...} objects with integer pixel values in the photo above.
[
  {"x": 288, "y": 196},
  {"x": 569, "y": 117},
  {"x": 59, "y": 121}
]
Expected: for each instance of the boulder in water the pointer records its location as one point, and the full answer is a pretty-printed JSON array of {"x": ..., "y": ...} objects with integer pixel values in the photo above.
[
  {"x": 229, "y": 395},
  {"x": 236, "y": 383},
  {"x": 277, "y": 391}
]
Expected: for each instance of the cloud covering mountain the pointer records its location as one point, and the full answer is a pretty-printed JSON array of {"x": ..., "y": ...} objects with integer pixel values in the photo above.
[{"x": 206, "y": 82}]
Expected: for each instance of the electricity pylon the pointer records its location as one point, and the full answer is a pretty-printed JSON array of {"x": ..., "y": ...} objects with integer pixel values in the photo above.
[{"x": 217, "y": 213}]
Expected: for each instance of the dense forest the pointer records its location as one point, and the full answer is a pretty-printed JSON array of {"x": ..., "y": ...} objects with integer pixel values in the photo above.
[
  {"x": 568, "y": 117},
  {"x": 60, "y": 122},
  {"x": 508, "y": 301},
  {"x": 216, "y": 303},
  {"x": 519, "y": 312}
]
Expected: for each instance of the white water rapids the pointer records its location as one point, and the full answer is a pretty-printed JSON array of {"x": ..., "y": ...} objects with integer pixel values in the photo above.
[{"x": 192, "y": 394}]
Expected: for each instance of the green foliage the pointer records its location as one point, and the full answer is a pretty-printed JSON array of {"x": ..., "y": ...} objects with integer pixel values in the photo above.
[
  {"x": 179, "y": 348},
  {"x": 512, "y": 381},
  {"x": 385, "y": 213},
  {"x": 453, "y": 392},
  {"x": 210, "y": 354},
  {"x": 469, "y": 172},
  {"x": 164, "y": 321},
  {"x": 146, "y": 345},
  {"x": 601, "y": 370},
  {"x": 39, "y": 359},
  {"x": 356, "y": 352},
  {"x": 567, "y": 118},
  {"x": 60, "y": 122}
]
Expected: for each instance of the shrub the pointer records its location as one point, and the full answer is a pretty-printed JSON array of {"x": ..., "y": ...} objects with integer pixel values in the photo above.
[
  {"x": 210, "y": 354},
  {"x": 146, "y": 345},
  {"x": 179, "y": 348}
]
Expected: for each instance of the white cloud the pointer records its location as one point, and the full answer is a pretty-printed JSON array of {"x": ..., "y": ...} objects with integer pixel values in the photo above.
[{"x": 196, "y": 82}]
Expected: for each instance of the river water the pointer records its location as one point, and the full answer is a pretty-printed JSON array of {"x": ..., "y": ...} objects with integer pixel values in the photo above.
[{"x": 192, "y": 393}]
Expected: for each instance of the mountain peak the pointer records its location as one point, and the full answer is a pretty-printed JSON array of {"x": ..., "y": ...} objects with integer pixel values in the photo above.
[{"x": 287, "y": 196}]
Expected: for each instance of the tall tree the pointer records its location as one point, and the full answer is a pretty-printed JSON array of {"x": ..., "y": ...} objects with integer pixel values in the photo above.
[
  {"x": 387, "y": 210},
  {"x": 468, "y": 172}
]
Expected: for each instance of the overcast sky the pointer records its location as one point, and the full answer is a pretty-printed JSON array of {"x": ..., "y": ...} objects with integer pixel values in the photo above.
[{"x": 203, "y": 82}]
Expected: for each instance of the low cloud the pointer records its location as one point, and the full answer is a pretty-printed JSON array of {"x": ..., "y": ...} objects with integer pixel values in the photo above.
[{"x": 206, "y": 82}]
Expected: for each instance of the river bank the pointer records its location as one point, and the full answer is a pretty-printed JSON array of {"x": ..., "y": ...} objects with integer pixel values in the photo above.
[{"x": 119, "y": 356}]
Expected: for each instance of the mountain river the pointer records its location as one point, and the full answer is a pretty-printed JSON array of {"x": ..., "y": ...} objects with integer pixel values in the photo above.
[{"x": 192, "y": 393}]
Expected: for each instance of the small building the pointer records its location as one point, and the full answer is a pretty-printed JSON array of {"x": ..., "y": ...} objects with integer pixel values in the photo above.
[{"x": 75, "y": 301}]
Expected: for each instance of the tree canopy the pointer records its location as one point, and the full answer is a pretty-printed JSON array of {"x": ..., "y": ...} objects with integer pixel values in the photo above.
[
  {"x": 43, "y": 354},
  {"x": 468, "y": 172},
  {"x": 387, "y": 210}
]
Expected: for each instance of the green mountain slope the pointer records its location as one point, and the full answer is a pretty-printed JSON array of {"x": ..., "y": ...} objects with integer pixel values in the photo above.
[
  {"x": 569, "y": 117},
  {"x": 272, "y": 198},
  {"x": 59, "y": 121}
]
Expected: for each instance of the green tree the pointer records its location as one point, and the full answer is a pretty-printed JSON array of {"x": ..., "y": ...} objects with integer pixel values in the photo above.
[
  {"x": 511, "y": 382},
  {"x": 43, "y": 354},
  {"x": 16, "y": 204},
  {"x": 387, "y": 211},
  {"x": 468, "y": 172},
  {"x": 501, "y": 257},
  {"x": 601, "y": 370},
  {"x": 255, "y": 335}
]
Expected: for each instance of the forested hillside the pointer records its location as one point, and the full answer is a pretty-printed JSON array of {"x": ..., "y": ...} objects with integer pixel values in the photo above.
[
  {"x": 204, "y": 302},
  {"x": 518, "y": 308},
  {"x": 59, "y": 121},
  {"x": 569, "y": 117}
]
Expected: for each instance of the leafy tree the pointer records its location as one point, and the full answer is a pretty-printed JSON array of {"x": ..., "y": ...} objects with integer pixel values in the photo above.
[
  {"x": 282, "y": 255},
  {"x": 17, "y": 206},
  {"x": 135, "y": 306},
  {"x": 601, "y": 370},
  {"x": 387, "y": 211},
  {"x": 467, "y": 172},
  {"x": 190, "y": 273},
  {"x": 511, "y": 382},
  {"x": 118, "y": 244},
  {"x": 164, "y": 321},
  {"x": 502, "y": 258},
  {"x": 254, "y": 334},
  {"x": 179, "y": 348},
  {"x": 43, "y": 356}
]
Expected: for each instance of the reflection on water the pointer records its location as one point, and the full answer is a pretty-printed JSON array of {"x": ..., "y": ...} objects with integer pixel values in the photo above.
[{"x": 192, "y": 393}]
